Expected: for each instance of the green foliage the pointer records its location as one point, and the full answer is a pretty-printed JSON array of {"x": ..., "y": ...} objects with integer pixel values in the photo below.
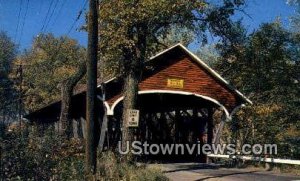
[
  {"x": 125, "y": 25},
  {"x": 295, "y": 19},
  {"x": 34, "y": 154},
  {"x": 266, "y": 67},
  {"x": 50, "y": 61},
  {"x": 8, "y": 51},
  {"x": 7, "y": 54},
  {"x": 28, "y": 156}
]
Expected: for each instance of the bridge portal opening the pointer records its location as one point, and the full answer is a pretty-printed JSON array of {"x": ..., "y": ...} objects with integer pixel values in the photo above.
[{"x": 166, "y": 119}]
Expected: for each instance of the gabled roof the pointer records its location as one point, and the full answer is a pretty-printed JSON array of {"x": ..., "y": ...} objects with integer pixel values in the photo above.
[
  {"x": 201, "y": 64},
  {"x": 154, "y": 59},
  {"x": 206, "y": 67}
]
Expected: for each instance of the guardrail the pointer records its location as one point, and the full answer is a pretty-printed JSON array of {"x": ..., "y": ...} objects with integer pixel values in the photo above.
[{"x": 267, "y": 160}]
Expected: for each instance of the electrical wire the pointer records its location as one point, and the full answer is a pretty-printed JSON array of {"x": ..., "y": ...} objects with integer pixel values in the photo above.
[
  {"x": 59, "y": 12},
  {"x": 24, "y": 19},
  {"x": 78, "y": 17},
  {"x": 46, "y": 18},
  {"x": 19, "y": 15},
  {"x": 51, "y": 15}
]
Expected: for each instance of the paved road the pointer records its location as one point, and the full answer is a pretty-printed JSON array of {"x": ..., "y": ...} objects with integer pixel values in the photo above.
[{"x": 199, "y": 172}]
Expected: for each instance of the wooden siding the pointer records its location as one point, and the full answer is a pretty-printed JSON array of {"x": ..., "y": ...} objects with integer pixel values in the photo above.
[{"x": 196, "y": 80}]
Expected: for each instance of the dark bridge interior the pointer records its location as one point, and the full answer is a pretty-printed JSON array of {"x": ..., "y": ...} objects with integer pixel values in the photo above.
[{"x": 167, "y": 119}]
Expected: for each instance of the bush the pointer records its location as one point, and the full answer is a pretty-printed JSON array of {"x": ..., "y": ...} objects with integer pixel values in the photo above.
[
  {"x": 27, "y": 155},
  {"x": 33, "y": 157}
]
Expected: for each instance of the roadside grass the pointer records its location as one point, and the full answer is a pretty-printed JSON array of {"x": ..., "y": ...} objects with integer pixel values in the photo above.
[
  {"x": 112, "y": 167},
  {"x": 34, "y": 156}
]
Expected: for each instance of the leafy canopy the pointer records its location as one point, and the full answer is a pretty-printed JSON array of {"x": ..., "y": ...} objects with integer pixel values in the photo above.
[
  {"x": 50, "y": 61},
  {"x": 265, "y": 66},
  {"x": 8, "y": 52},
  {"x": 125, "y": 24}
]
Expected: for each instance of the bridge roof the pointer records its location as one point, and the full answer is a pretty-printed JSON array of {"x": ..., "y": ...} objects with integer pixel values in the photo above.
[{"x": 176, "y": 63}]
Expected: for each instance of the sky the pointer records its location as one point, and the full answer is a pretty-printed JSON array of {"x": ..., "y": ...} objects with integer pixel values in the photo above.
[
  {"x": 59, "y": 17},
  {"x": 263, "y": 11},
  {"x": 64, "y": 14}
]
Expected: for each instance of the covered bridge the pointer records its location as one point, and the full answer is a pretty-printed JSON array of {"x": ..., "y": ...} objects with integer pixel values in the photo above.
[{"x": 179, "y": 97}]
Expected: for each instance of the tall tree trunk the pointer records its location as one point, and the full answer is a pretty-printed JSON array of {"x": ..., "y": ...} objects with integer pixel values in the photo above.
[
  {"x": 129, "y": 102},
  {"x": 131, "y": 81},
  {"x": 67, "y": 88},
  {"x": 92, "y": 56}
]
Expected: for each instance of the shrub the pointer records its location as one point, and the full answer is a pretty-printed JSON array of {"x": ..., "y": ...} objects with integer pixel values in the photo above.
[
  {"x": 28, "y": 155},
  {"x": 33, "y": 157}
]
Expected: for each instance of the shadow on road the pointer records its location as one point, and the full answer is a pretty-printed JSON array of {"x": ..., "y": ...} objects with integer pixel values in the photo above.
[
  {"x": 193, "y": 167},
  {"x": 225, "y": 175}
]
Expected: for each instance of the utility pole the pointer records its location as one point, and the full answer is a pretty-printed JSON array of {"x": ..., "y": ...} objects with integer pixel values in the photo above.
[{"x": 92, "y": 56}]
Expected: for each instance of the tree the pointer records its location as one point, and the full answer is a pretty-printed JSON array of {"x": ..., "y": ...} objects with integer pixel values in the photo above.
[
  {"x": 265, "y": 66},
  {"x": 295, "y": 19},
  {"x": 8, "y": 94},
  {"x": 131, "y": 29},
  {"x": 209, "y": 54},
  {"x": 50, "y": 61},
  {"x": 67, "y": 88},
  {"x": 53, "y": 67}
]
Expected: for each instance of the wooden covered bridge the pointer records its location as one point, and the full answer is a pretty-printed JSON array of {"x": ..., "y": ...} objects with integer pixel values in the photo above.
[{"x": 181, "y": 99}]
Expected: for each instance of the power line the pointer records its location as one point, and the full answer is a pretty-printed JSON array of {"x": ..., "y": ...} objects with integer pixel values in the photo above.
[
  {"x": 19, "y": 15},
  {"x": 46, "y": 18},
  {"x": 24, "y": 19},
  {"x": 78, "y": 16},
  {"x": 59, "y": 11},
  {"x": 51, "y": 15},
  {"x": 72, "y": 26}
]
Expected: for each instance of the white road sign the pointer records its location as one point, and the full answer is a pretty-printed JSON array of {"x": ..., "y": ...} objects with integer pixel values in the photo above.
[{"x": 133, "y": 118}]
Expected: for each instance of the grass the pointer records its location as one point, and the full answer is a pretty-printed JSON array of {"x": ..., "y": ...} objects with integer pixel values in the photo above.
[{"x": 111, "y": 167}]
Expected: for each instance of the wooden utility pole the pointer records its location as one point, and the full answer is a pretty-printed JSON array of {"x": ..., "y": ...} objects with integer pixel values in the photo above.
[{"x": 92, "y": 56}]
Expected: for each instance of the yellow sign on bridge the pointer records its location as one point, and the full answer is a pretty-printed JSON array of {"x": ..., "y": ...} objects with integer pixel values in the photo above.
[{"x": 175, "y": 83}]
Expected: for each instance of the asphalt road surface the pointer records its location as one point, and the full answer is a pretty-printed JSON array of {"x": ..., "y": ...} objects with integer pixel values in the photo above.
[{"x": 199, "y": 172}]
